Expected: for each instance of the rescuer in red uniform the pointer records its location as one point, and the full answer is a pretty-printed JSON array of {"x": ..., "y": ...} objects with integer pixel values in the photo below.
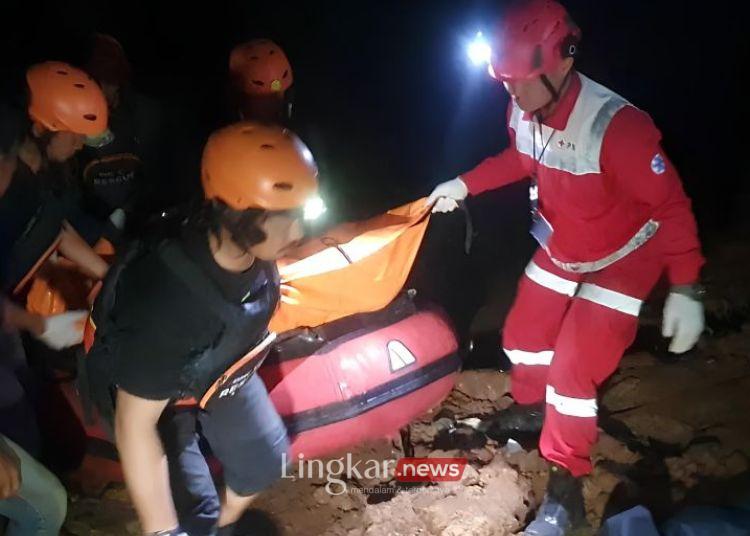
[{"x": 610, "y": 216}]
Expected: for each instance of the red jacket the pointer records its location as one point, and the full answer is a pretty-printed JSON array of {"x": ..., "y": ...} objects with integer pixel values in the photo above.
[{"x": 602, "y": 177}]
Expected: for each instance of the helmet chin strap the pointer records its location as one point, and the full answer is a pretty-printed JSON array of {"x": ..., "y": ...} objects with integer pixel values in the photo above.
[{"x": 553, "y": 91}]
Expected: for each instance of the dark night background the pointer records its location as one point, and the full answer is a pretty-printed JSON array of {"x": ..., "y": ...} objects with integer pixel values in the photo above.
[{"x": 389, "y": 104}]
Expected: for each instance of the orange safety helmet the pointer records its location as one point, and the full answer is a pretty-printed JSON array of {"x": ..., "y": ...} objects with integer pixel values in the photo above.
[
  {"x": 64, "y": 98},
  {"x": 260, "y": 67},
  {"x": 59, "y": 289},
  {"x": 251, "y": 165}
]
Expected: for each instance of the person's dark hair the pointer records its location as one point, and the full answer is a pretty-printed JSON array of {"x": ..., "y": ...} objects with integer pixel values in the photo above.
[
  {"x": 14, "y": 125},
  {"x": 243, "y": 225}
]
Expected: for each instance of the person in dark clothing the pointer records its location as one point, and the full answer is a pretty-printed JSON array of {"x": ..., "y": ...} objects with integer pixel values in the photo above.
[
  {"x": 65, "y": 105},
  {"x": 119, "y": 169},
  {"x": 187, "y": 317},
  {"x": 38, "y": 205},
  {"x": 20, "y": 203}
]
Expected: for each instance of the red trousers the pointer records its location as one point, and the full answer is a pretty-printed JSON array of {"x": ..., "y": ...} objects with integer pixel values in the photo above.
[{"x": 565, "y": 335}]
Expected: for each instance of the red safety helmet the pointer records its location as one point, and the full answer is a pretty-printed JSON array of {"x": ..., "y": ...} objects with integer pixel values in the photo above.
[{"x": 532, "y": 39}]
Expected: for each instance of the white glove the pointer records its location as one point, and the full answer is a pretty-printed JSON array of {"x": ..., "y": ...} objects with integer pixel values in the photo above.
[
  {"x": 64, "y": 330},
  {"x": 447, "y": 194},
  {"x": 683, "y": 321}
]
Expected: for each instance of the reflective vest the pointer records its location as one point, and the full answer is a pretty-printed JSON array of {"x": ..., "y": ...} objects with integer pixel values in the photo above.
[{"x": 575, "y": 151}]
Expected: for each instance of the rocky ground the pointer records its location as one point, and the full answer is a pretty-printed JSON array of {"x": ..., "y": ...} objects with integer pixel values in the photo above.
[{"x": 673, "y": 433}]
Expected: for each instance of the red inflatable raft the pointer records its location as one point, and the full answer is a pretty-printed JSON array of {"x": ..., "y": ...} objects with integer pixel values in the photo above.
[{"x": 371, "y": 375}]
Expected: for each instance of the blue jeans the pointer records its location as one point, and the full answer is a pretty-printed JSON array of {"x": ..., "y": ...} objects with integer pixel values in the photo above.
[{"x": 39, "y": 507}]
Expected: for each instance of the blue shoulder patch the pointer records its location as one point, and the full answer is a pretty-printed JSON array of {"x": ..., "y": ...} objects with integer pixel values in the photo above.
[{"x": 658, "y": 165}]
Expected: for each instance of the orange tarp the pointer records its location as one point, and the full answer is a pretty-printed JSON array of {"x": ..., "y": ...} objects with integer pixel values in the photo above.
[{"x": 354, "y": 268}]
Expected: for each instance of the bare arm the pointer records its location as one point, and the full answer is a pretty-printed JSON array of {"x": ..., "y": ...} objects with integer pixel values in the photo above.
[
  {"x": 77, "y": 250},
  {"x": 143, "y": 461},
  {"x": 14, "y": 317}
]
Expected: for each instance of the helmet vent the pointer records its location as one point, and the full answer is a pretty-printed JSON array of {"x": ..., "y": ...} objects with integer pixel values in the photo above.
[
  {"x": 286, "y": 73},
  {"x": 285, "y": 186},
  {"x": 258, "y": 82},
  {"x": 90, "y": 117},
  {"x": 271, "y": 52},
  {"x": 64, "y": 73},
  {"x": 529, "y": 24},
  {"x": 267, "y": 146},
  {"x": 79, "y": 86}
]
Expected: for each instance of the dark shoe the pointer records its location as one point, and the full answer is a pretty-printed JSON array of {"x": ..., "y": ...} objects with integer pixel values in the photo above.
[
  {"x": 226, "y": 530},
  {"x": 254, "y": 522},
  {"x": 518, "y": 419},
  {"x": 562, "y": 510}
]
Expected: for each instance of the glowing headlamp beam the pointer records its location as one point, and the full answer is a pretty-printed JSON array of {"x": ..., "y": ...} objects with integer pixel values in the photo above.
[{"x": 479, "y": 50}]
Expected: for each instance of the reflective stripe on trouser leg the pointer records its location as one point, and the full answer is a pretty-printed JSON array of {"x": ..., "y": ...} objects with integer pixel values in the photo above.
[
  {"x": 532, "y": 326},
  {"x": 599, "y": 325},
  {"x": 569, "y": 431},
  {"x": 520, "y": 357},
  {"x": 571, "y": 406},
  {"x": 528, "y": 374}
]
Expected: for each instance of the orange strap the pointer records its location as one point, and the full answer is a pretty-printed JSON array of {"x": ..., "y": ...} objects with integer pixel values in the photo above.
[
  {"x": 185, "y": 402},
  {"x": 37, "y": 265},
  {"x": 88, "y": 338},
  {"x": 218, "y": 384},
  {"x": 89, "y": 329}
]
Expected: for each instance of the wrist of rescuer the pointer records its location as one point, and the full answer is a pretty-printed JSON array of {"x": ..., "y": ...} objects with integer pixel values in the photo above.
[
  {"x": 695, "y": 291},
  {"x": 685, "y": 270}
]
